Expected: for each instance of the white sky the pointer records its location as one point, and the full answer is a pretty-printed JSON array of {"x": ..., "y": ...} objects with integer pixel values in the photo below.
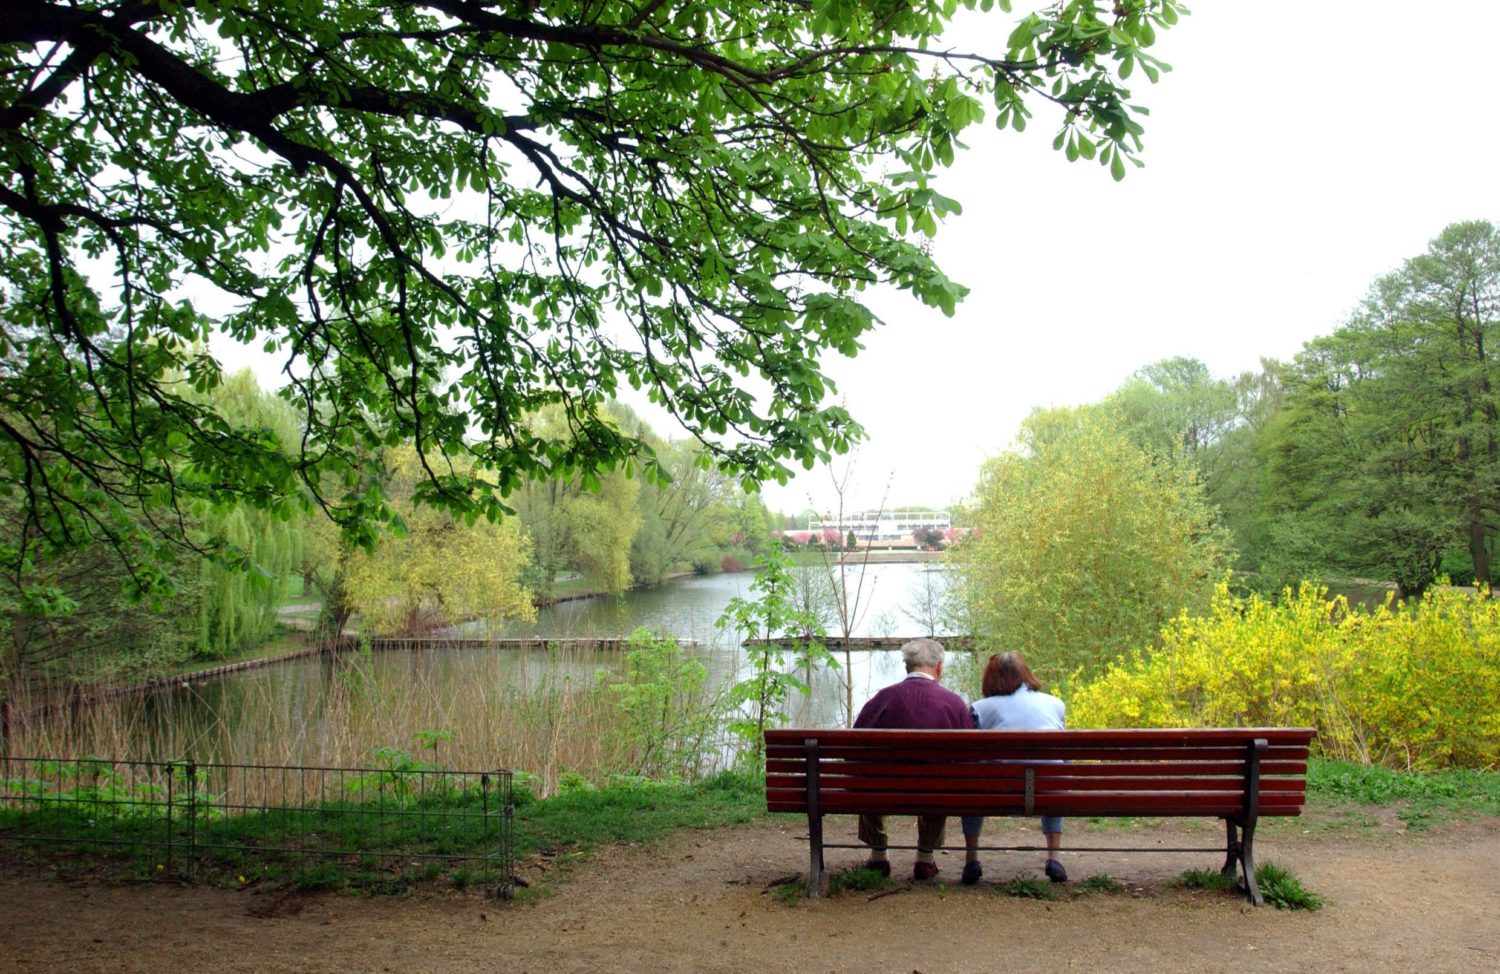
[{"x": 1298, "y": 150}]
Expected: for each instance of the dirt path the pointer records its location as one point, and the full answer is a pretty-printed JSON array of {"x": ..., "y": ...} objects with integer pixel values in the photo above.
[{"x": 703, "y": 902}]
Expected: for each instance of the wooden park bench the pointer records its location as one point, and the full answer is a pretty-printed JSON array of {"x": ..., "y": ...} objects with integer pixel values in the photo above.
[{"x": 1234, "y": 774}]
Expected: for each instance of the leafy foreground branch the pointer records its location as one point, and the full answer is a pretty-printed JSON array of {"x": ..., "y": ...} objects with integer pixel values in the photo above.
[{"x": 444, "y": 216}]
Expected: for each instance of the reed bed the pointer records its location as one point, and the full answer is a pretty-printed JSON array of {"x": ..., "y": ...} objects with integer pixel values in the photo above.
[{"x": 555, "y": 714}]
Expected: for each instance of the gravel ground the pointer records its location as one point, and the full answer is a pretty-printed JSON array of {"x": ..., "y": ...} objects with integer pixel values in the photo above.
[{"x": 704, "y": 901}]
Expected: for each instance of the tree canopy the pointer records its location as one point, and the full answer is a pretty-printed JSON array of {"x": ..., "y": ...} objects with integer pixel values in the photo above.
[{"x": 443, "y": 215}]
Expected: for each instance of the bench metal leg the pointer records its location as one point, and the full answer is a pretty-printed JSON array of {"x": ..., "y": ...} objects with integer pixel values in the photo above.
[
  {"x": 817, "y": 878},
  {"x": 1231, "y": 849},
  {"x": 1247, "y": 860},
  {"x": 1239, "y": 858},
  {"x": 1240, "y": 841}
]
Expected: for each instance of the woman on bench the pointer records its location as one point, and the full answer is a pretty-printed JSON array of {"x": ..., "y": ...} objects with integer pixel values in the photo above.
[{"x": 1013, "y": 700}]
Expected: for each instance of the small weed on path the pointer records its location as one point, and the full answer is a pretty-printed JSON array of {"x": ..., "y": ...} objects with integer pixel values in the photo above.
[
  {"x": 789, "y": 893},
  {"x": 1210, "y": 879},
  {"x": 856, "y": 881},
  {"x": 1101, "y": 883},
  {"x": 1279, "y": 886},
  {"x": 792, "y": 892},
  {"x": 1284, "y": 890},
  {"x": 1027, "y": 887}
]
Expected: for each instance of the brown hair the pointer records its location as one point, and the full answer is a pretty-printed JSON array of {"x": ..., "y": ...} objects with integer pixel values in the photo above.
[{"x": 1005, "y": 673}]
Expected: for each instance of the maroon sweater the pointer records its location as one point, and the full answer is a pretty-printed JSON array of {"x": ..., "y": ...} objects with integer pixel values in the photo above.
[{"x": 916, "y": 702}]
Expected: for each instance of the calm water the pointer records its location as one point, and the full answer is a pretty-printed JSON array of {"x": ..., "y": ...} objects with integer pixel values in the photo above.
[
  {"x": 258, "y": 712},
  {"x": 895, "y": 599}
]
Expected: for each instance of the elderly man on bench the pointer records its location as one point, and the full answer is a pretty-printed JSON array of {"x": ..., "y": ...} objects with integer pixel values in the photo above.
[{"x": 916, "y": 702}]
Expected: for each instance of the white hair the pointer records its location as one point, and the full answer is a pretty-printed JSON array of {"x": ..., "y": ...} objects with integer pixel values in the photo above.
[{"x": 926, "y": 653}]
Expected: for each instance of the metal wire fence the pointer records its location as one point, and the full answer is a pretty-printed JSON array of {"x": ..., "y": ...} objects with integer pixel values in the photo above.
[{"x": 381, "y": 829}]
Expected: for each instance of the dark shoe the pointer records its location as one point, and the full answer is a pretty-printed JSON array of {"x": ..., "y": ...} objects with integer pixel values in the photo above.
[
  {"x": 881, "y": 866},
  {"x": 972, "y": 872},
  {"x": 923, "y": 871},
  {"x": 1056, "y": 872}
]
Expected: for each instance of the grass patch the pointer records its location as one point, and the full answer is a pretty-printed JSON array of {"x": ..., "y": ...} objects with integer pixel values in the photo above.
[
  {"x": 1101, "y": 883},
  {"x": 1426, "y": 798},
  {"x": 637, "y": 811},
  {"x": 1027, "y": 888},
  {"x": 1278, "y": 886},
  {"x": 1284, "y": 890},
  {"x": 1210, "y": 879},
  {"x": 789, "y": 894},
  {"x": 382, "y": 832},
  {"x": 320, "y": 877},
  {"x": 857, "y": 880}
]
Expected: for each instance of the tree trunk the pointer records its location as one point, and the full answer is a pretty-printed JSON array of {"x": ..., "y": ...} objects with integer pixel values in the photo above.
[{"x": 1479, "y": 547}]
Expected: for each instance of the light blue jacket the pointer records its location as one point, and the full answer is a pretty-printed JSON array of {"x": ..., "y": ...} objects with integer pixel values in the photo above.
[{"x": 1026, "y": 709}]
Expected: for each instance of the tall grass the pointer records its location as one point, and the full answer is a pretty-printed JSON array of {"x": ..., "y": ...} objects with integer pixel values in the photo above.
[{"x": 554, "y": 711}]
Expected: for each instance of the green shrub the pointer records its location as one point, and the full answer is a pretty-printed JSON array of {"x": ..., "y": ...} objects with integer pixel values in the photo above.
[
  {"x": 568, "y": 781},
  {"x": 670, "y": 713},
  {"x": 788, "y": 894}
]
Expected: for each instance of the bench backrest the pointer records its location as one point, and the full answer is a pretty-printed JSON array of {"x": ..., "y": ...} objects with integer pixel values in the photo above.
[{"x": 1195, "y": 772}]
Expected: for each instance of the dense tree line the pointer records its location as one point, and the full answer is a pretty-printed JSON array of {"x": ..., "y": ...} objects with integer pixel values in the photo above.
[{"x": 1375, "y": 452}]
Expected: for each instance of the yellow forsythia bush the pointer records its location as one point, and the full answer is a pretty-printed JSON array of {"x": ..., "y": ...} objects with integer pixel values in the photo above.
[{"x": 1414, "y": 686}]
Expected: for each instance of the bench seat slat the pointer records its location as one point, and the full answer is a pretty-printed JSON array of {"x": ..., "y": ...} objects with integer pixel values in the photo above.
[
  {"x": 977, "y": 751},
  {"x": 1106, "y": 803},
  {"x": 938, "y": 784},
  {"x": 1129, "y": 737},
  {"x": 1018, "y": 769}
]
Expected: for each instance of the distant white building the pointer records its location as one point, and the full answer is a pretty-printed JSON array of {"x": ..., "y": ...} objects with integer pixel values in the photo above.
[{"x": 873, "y": 527}]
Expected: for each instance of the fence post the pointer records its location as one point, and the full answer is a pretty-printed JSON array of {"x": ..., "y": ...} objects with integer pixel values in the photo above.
[
  {"x": 171, "y": 794},
  {"x": 484, "y": 793},
  {"x": 192, "y": 849}
]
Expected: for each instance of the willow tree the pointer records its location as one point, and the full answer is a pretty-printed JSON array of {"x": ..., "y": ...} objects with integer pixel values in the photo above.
[
  {"x": 232, "y": 566},
  {"x": 1085, "y": 543},
  {"x": 579, "y": 521},
  {"x": 252, "y": 552},
  {"x": 690, "y": 521},
  {"x": 431, "y": 566},
  {"x": 443, "y": 215}
]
